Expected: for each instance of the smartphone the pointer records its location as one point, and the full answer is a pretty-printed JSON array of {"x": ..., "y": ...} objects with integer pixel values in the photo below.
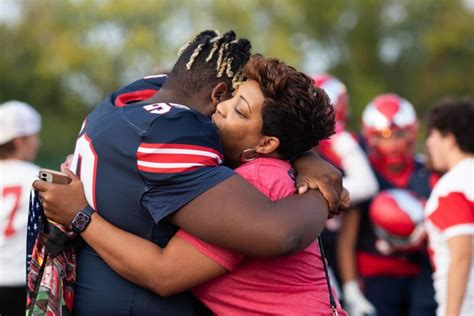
[{"x": 53, "y": 176}]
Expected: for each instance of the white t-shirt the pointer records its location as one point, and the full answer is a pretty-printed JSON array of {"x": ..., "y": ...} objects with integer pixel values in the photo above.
[
  {"x": 450, "y": 213},
  {"x": 16, "y": 177}
]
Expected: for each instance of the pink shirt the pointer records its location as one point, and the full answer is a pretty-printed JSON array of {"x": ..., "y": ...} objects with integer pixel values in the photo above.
[{"x": 289, "y": 285}]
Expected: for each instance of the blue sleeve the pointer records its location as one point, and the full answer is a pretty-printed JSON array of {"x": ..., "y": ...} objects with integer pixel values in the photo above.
[
  {"x": 179, "y": 158},
  {"x": 165, "y": 200}
]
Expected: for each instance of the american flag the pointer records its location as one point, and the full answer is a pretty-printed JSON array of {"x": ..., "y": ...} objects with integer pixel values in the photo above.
[{"x": 35, "y": 219}]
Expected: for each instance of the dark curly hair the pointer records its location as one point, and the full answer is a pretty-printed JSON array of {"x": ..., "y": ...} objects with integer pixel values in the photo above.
[
  {"x": 454, "y": 116},
  {"x": 297, "y": 113}
]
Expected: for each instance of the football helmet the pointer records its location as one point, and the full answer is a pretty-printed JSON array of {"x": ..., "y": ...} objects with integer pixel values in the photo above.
[
  {"x": 338, "y": 95},
  {"x": 389, "y": 126},
  {"x": 397, "y": 216}
]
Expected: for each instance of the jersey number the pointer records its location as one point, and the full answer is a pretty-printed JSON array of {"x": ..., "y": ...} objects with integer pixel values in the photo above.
[
  {"x": 84, "y": 164},
  {"x": 158, "y": 108},
  {"x": 16, "y": 193}
]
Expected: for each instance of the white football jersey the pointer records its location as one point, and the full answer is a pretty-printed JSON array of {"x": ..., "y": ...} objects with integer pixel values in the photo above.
[
  {"x": 449, "y": 213},
  {"x": 16, "y": 177}
]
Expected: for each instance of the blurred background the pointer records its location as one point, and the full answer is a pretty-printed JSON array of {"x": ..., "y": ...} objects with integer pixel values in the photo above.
[{"x": 63, "y": 57}]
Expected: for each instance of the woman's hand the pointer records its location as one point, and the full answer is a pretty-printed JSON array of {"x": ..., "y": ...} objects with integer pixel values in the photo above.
[{"x": 61, "y": 202}]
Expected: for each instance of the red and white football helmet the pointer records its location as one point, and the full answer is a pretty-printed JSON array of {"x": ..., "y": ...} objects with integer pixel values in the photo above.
[
  {"x": 338, "y": 95},
  {"x": 397, "y": 216},
  {"x": 389, "y": 116}
]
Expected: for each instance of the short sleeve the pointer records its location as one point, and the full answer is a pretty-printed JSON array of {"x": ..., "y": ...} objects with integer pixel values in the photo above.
[
  {"x": 179, "y": 158},
  {"x": 224, "y": 257},
  {"x": 454, "y": 215},
  {"x": 273, "y": 177}
]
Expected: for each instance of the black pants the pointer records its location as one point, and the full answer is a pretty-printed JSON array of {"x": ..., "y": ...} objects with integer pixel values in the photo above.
[{"x": 13, "y": 301}]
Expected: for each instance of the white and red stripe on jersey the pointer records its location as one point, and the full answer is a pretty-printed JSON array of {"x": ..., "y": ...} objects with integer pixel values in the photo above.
[
  {"x": 449, "y": 213},
  {"x": 174, "y": 158}
]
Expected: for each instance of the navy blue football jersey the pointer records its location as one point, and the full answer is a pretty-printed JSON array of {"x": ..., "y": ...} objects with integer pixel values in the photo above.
[{"x": 140, "y": 162}]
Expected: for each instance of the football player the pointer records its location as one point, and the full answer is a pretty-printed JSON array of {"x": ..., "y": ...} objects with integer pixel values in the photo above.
[
  {"x": 344, "y": 152},
  {"x": 450, "y": 208},
  {"x": 19, "y": 142},
  {"x": 395, "y": 281}
]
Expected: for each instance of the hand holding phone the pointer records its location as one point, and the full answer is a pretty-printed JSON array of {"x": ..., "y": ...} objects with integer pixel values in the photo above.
[{"x": 53, "y": 176}]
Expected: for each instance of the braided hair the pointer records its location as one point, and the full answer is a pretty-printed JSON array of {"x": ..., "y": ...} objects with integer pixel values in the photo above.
[{"x": 208, "y": 59}]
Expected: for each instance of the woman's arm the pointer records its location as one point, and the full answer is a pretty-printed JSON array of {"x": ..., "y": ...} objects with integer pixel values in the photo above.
[
  {"x": 460, "y": 248},
  {"x": 177, "y": 267}
]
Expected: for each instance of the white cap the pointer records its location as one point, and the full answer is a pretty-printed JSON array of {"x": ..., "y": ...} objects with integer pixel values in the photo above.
[{"x": 17, "y": 119}]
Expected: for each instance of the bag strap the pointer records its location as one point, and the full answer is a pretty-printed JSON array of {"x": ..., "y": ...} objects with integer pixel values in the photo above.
[{"x": 332, "y": 300}]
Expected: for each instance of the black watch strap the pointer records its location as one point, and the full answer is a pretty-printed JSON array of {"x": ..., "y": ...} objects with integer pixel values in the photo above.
[{"x": 88, "y": 210}]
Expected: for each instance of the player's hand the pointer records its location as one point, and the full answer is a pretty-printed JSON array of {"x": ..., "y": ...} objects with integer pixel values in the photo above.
[
  {"x": 305, "y": 183},
  {"x": 414, "y": 242},
  {"x": 318, "y": 174},
  {"x": 62, "y": 202},
  {"x": 345, "y": 199},
  {"x": 355, "y": 302}
]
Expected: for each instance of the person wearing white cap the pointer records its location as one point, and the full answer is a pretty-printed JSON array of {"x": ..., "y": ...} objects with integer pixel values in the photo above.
[{"x": 19, "y": 143}]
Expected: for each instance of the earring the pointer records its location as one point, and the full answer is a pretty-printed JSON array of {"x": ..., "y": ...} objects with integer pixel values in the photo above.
[{"x": 248, "y": 155}]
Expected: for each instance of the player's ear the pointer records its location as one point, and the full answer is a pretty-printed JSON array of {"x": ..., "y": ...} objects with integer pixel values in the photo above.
[{"x": 219, "y": 93}]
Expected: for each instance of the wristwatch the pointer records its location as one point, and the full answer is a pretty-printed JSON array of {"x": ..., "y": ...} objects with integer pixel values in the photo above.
[{"x": 82, "y": 219}]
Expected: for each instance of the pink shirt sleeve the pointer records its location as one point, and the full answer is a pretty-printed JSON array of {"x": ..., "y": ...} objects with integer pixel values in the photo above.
[
  {"x": 224, "y": 257},
  {"x": 272, "y": 177}
]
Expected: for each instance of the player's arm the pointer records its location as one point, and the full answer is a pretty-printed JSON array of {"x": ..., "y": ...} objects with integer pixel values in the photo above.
[
  {"x": 235, "y": 215},
  {"x": 460, "y": 248},
  {"x": 314, "y": 172},
  {"x": 346, "y": 245},
  {"x": 177, "y": 267},
  {"x": 356, "y": 303},
  {"x": 359, "y": 178}
]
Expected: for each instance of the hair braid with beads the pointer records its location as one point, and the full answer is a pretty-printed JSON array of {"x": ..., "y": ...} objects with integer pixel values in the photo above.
[{"x": 208, "y": 59}]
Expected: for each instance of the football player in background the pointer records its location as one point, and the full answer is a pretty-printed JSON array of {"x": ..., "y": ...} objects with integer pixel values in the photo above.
[
  {"x": 344, "y": 152},
  {"x": 393, "y": 268},
  {"x": 19, "y": 142},
  {"x": 450, "y": 208}
]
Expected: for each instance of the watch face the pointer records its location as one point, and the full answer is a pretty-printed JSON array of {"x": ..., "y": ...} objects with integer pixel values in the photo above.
[{"x": 80, "y": 222}]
